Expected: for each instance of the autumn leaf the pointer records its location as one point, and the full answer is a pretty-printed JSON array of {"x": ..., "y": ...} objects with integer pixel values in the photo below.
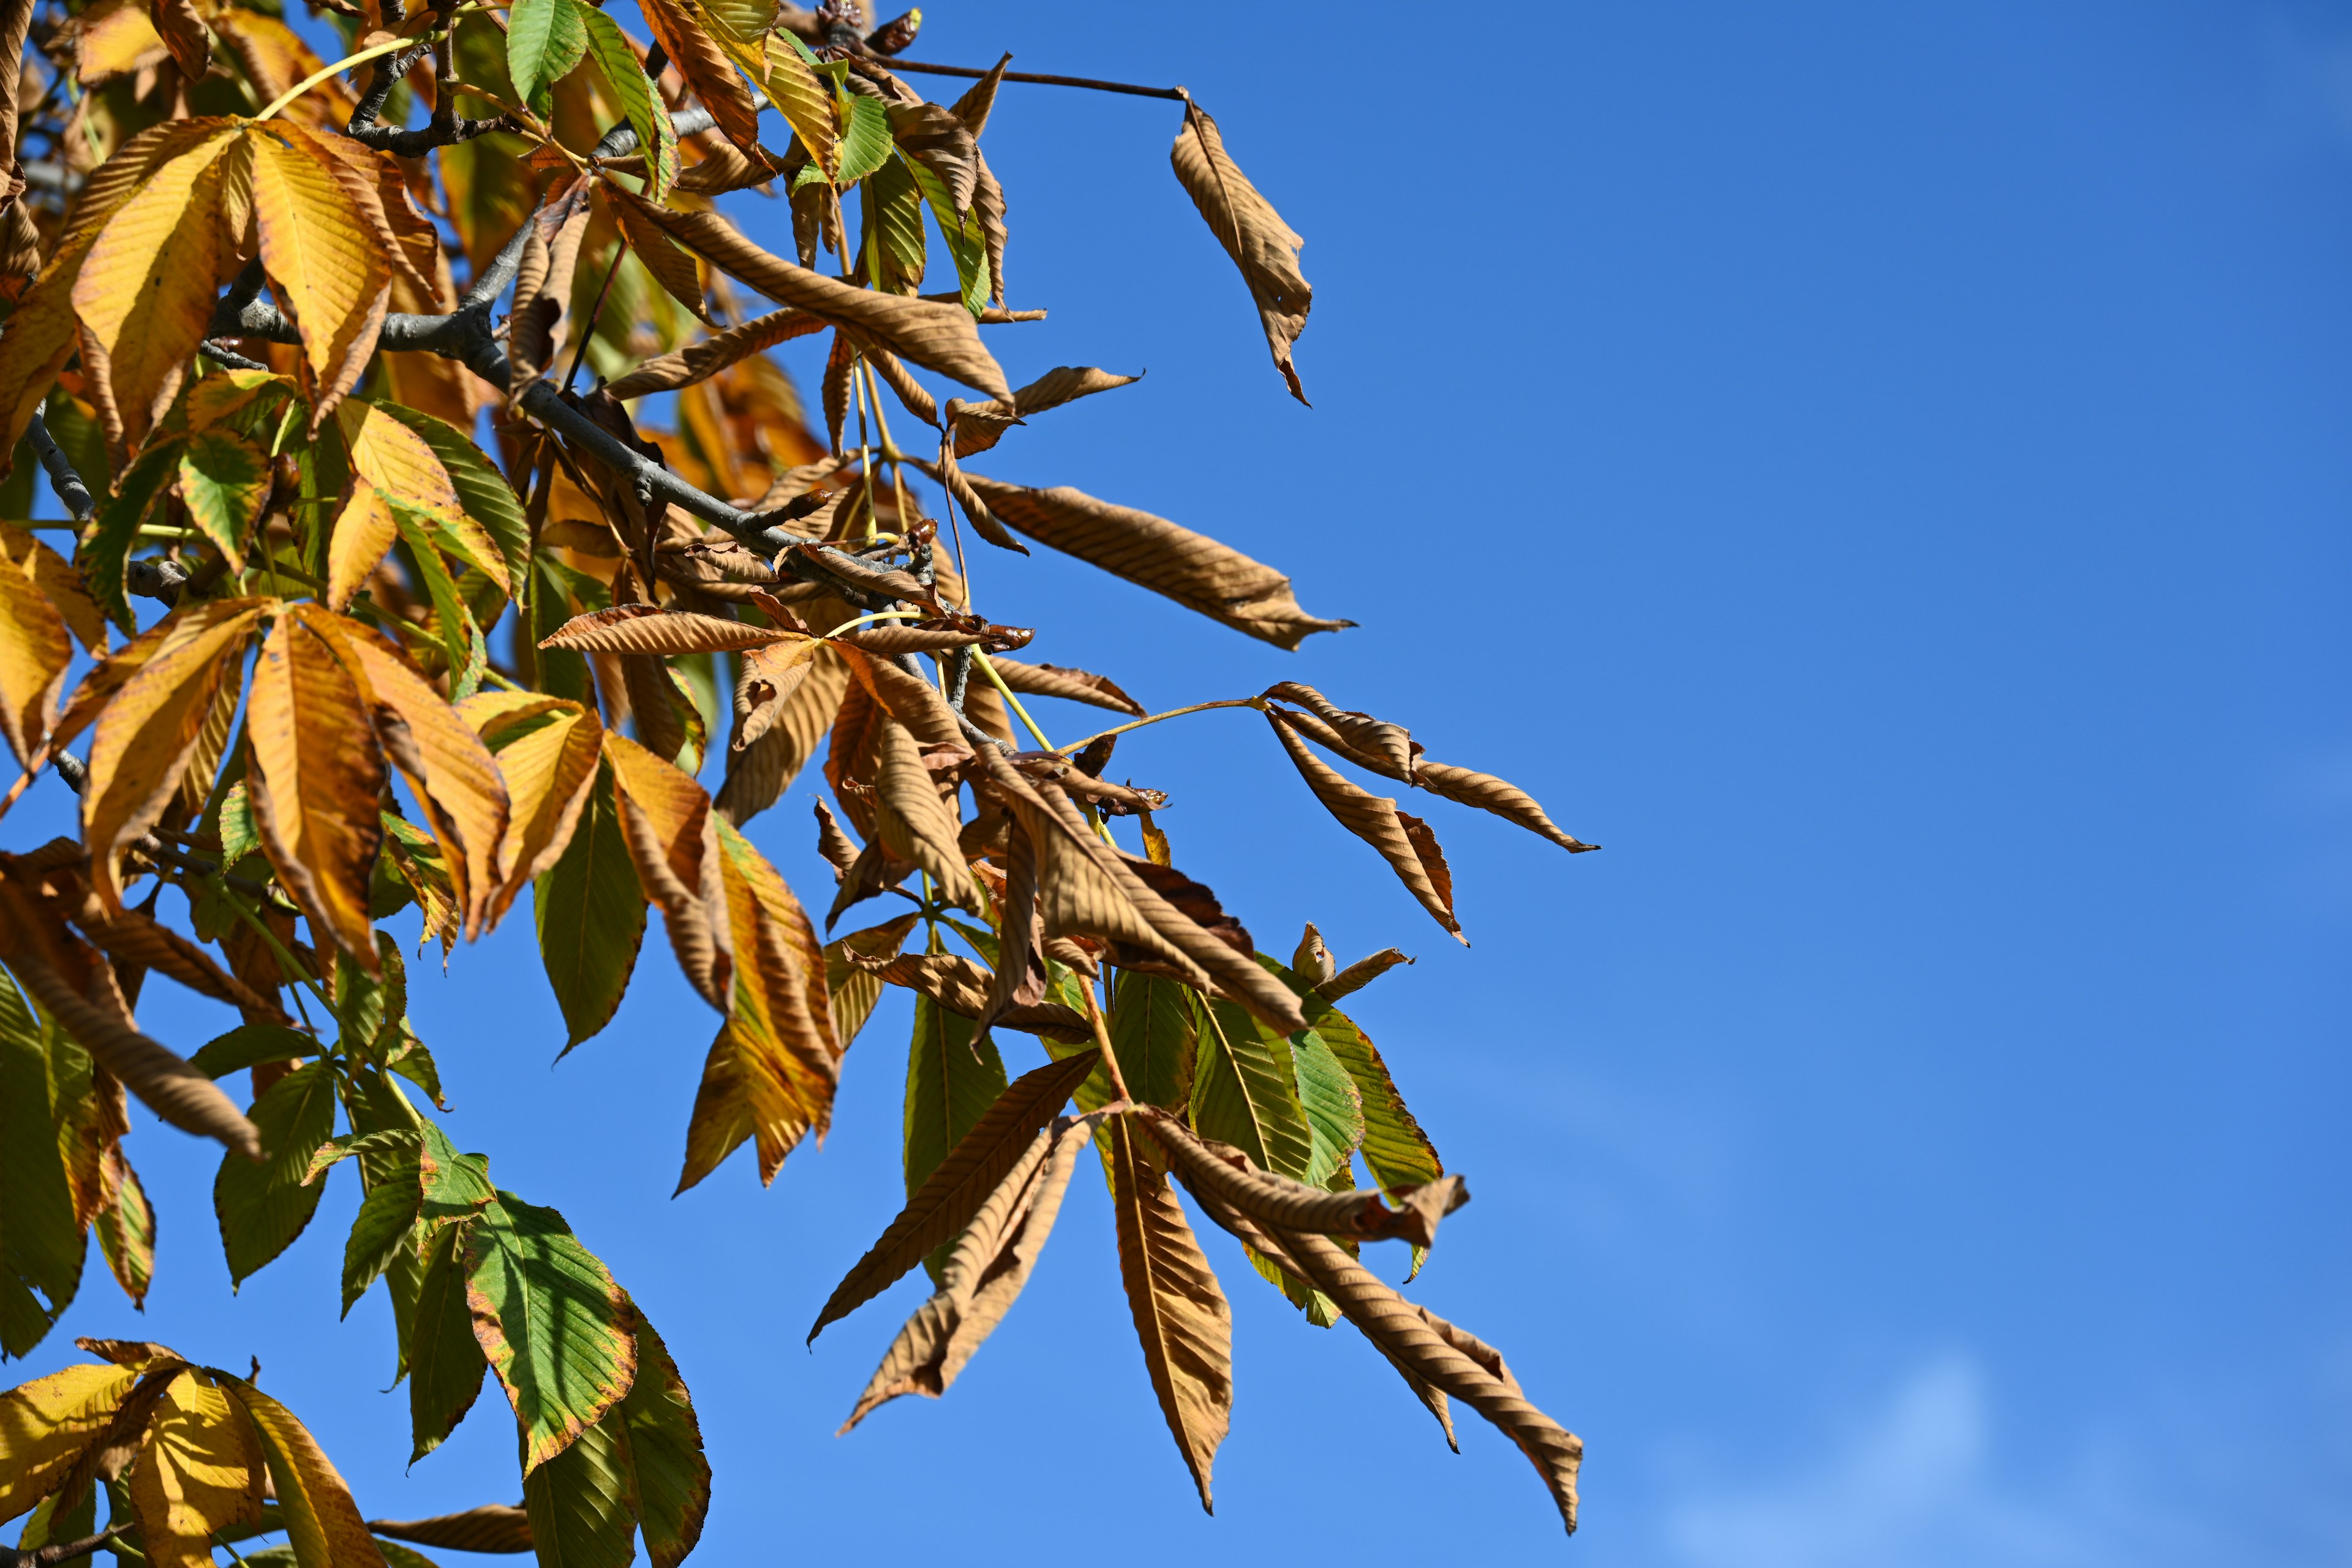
[
  {"x": 225, "y": 481},
  {"x": 957, "y": 1185},
  {"x": 1153, "y": 552},
  {"x": 322, "y": 1523},
  {"x": 199, "y": 1473},
  {"x": 323, "y": 255},
  {"x": 316, "y": 776},
  {"x": 1403, "y": 841},
  {"x": 548, "y": 750},
  {"x": 985, "y": 1273},
  {"x": 552, "y": 1322},
  {"x": 1181, "y": 1318},
  {"x": 148, "y": 733},
  {"x": 46, "y": 1423},
  {"x": 35, "y": 653},
  {"x": 1252, "y": 233},
  {"x": 938, "y": 337},
  {"x": 672, "y": 836},
  {"x": 1073, "y": 685}
]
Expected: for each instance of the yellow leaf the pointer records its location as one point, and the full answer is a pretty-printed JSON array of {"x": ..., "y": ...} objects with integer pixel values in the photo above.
[
  {"x": 322, "y": 1522},
  {"x": 316, "y": 779},
  {"x": 453, "y": 775},
  {"x": 45, "y": 1424},
  {"x": 396, "y": 460},
  {"x": 147, "y": 733},
  {"x": 60, "y": 583},
  {"x": 548, "y": 750},
  {"x": 116, "y": 38},
  {"x": 323, "y": 256},
  {"x": 665, "y": 818},
  {"x": 363, "y": 534},
  {"x": 199, "y": 1472},
  {"x": 146, "y": 290},
  {"x": 40, "y": 335},
  {"x": 33, "y": 654}
]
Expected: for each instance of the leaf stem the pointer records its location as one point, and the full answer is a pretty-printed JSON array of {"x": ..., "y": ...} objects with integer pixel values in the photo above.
[
  {"x": 1073, "y": 748},
  {"x": 1131, "y": 89},
  {"x": 1102, "y": 1039},
  {"x": 325, "y": 73},
  {"x": 1012, "y": 700}
]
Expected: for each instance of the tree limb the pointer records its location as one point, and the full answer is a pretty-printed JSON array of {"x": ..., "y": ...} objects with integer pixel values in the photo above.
[{"x": 68, "y": 483}]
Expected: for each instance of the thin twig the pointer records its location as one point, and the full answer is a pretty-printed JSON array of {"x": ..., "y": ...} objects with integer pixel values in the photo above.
[
  {"x": 1075, "y": 747},
  {"x": 925, "y": 68},
  {"x": 63, "y": 478}
]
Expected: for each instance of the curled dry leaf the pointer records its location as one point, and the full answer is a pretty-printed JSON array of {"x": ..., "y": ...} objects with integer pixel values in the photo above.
[
  {"x": 35, "y": 653},
  {"x": 1265, "y": 247},
  {"x": 699, "y": 361},
  {"x": 937, "y": 337},
  {"x": 1076, "y": 685},
  {"x": 1360, "y": 974},
  {"x": 757, "y": 775},
  {"x": 644, "y": 629},
  {"x": 984, "y": 1275},
  {"x": 1195, "y": 570},
  {"x": 960, "y": 1183},
  {"x": 1403, "y": 841},
  {"x": 1280, "y": 1204},
  {"x": 913, "y": 822},
  {"x": 494, "y": 1527},
  {"x": 964, "y": 987}
]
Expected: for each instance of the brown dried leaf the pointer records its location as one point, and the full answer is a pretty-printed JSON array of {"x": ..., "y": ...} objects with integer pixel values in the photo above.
[
  {"x": 937, "y": 337},
  {"x": 1280, "y": 1205},
  {"x": 984, "y": 1275},
  {"x": 1403, "y": 841},
  {"x": 757, "y": 775},
  {"x": 961, "y": 1184},
  {"x": 699, "y": 361},
  {"x": 494, "y": 1527},
  {"x": 706, "y": 69},
  {"x": 1252, "y": 233},
  {"x": 964, "y": 987},
  {"x": 1059, "y": 680},
  {"x": 1181, "y": 1318},
  {"x": 1360, "y": 974},
  {"x": 1190, "y": 568},
  {"x": 1500, "y": 796},
  {"x": 914, "y": 824},
  {"x": 644, "y": 629}
]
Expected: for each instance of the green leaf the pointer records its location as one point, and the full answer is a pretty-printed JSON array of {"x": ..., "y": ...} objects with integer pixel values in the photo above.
[
  {"x": 746, "y": 29},
  {"x": 263, "y": 1204},
  {"x": 1335, "y": 1111},
  {"x": 583, "y": 1512},
  {"x": 250, "y": 1043},
  {"x": 381, "y": 1140},
  {"x": 949, "y": 1086},
  {"x": 42, "y": 1527},
  {"x": 655, "y": 136},
  {"x": 545, "y": 38},
  {"x": 962, "y": 232},
  {"x": 865, "y": 143},
  {"x": 116, "y": 533},
  {"x": 1152, "y": 1029},
  {"x": 459, "y": 636},
  {"x": 1245, "y": 1091},
  {"x": 224, "y": 479},
  {"x": 895, "y": 212},
  {"x": 552, "y": 1322},
  {"x": 481, "y": 489},
  {"x": 385, "y": 1224},
  {"x": 666, "y": 1442},
  {"x": 240, "y": 835},
  {"x": 457, "y": 1186},
  {"x": 373, "y": 1010},
  {"x": 396, "y": 1555},
  {"x": 42, "y": 1248},
  {"x": 591, "y": 913},
  {"x": 445, "y": 1361}
]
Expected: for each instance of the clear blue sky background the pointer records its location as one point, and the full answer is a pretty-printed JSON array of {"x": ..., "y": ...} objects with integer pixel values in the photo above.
[{"x": 1880, "y": 470}]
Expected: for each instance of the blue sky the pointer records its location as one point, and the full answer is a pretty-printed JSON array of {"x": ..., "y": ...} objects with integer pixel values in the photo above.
[{"x": 1879, "y": 470}]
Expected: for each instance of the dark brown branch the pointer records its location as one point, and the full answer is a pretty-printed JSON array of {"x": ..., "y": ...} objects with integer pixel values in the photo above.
[
  {"x": 446, "y": 129},
  {"x": 63, "y": 478},
  {"x": 61, "y": 1551},
  {"x": 1129, "y": 87}
]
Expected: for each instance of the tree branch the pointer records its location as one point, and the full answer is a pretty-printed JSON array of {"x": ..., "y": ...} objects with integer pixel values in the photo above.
[
  {"x": 1129, "y": 87},
  {"x": 62, "y": 478},
  {"x": 62, "y": 1551}
]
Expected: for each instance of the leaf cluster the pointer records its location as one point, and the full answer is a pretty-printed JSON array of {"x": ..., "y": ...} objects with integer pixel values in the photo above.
[{"x": 438, "y": 626}]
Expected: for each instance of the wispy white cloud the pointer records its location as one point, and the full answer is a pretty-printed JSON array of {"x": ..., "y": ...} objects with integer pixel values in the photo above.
[{"x": 1913, "y": 1483}]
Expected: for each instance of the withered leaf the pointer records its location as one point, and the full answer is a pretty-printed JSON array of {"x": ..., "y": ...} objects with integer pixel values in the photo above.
[
  {"x": 673, "y": 837},
  {"x": 1262, "y": 246},
  {"x": 1403, "y": 841},
  {"x": 985, "y": 1273},
  {"x": 699, "y": 361},
  {"x": 315, "y": 783},
  {"x": 963, "y": 987},
  {"x": 961, "y": 1184},
  {"x": 1280, "y": 1205},
  {"x": 1195, "y": 570},
  {"x": 644, "y": 629},
  {"x": 1059, "y": 680},
  {"x": 913, "y": 822},
  {"x": 1181, "y": 1318},
  {"x": 938, "y": 337}
]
